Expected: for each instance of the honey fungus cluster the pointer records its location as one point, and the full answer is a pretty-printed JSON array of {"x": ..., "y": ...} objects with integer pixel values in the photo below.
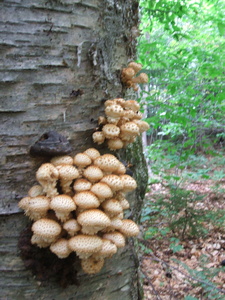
[{"x": 78, "y": 206}]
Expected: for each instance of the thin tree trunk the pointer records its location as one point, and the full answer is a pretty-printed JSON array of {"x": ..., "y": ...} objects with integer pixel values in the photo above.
[{"x": 49, "y": 49}]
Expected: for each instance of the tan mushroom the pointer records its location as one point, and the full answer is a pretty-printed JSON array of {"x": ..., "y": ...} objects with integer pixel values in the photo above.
[
  {"x": 92, "y": 265},
  {"x": 132, "y": 104},
  {"x": 142, "y": 78},
  {"x": 143, "y": 126},
  {"x": 82, "y": 160},
  {"x": 98, "y": 137},
  {"x": 135, "y": 66},
  {"x": 129, "y": 184},
  {"x": 62, "y": 160},
  {"x": 107, "y": 250},
  {"x": 112, "y": 207},
  {"x": 47, "y": 175},
  {"x": 67, "y": 174},
  {"x": 93, "y": 173},
  {"x": 113, "y": 113},
  {"x": 60, "y": 248},
  {"x": 129, "y": 228},
  {"x": 48, "y": 230},
  {"x": 111, "y": 131},
  {"x": 92, "y": 221},
  {"x": 24, "y": 203},
  {"x": 41, "y": 243},
  {"x": 36, "y": 190},
  {"x": 72, "y": 227},
  {"x": 37, "y": 207},
  {"x": 107, "y": 163},
  {"x": 113, "y": 181},
  {"x": 121, "y": 169},
  {"x": 92, "y": 153},
  {"x": 81, "y": 185},
  {"x": 102, "y": 191},
  {"x": 115, "y": 144},
  {"x": 128, "y": 131},
  {"x": 62, "y": 205},
  {"x": 115, "y": 237},
  {"x": 86, "y": 200},
  {"x": 85, "y": 245}
]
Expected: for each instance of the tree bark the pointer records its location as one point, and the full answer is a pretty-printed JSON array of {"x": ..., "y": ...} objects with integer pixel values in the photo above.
[{"x": 49, "y": 49}]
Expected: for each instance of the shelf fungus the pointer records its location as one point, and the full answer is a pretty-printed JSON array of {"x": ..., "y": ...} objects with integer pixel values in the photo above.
[
  {"x": 121, "y": 124},
  {"x": 77, "y": 206},
  {"x": 129, "y": 78}
]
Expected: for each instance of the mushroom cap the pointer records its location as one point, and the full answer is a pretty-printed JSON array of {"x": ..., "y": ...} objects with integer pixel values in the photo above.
[
  {"x": 98, "y": 137},
  {"x": 47, "y": 172},
  {"x": 107, "y": 162},
  {"x": 62, "y": 203},
  {"x": 86, "y": 200},
  {"x": 24, "y": 203},
  {"x": 92, "y": 153},
  {"x": 36, "y": 190},
  {"x": 121, "y": 169},
  {"x": 115, "y": 144},
  {"x": 128, "y": 130},
  {"x": 115, "y": 237},
  {"x": 114, "y": 111},
  {"x": 46, "y": 229},
  {"x": 82, "y": 184},
  {"x": 112, "y": 207},
  {"x": 129, "y": 228},
  {"x": 37, "y": 207},
  {"x": 85, "y": 244},
  {"x": 132, "y": 104},
  {"x": 109, "y": 102},
  {"x": 119, "y": 101},
  {"x": 111, "y": 131},
  {"x": 143, "y": 126},
  {"x": 129, "y": 184},
  {"x": 127, "y": 73},
  {"x": 82, "y": 160},
  {"x": 92, "y": 265},
  {"x": 72, "y": 227},
  {"x": 93, "y": 173},
  {"x": 107, "y": 250},
  {"x": 93, "y": 218},
  {"x": 128, "y": 114},
  {"x": 67, "y": 172},
  {"x": 113, "y": 181},
  {"x": 135, "y": 66},
  {"x": 62, "y": 160},
  {"x": 101, "y": 190},
  {"x": 60, "y": 248},
  {"x": 37, "y": 240},
  {"x": 142, "y": 78},
  {"x": 137, "y": 116}
]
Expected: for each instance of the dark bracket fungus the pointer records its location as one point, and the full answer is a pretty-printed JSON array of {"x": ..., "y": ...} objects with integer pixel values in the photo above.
[{"x": 51, "y": 143}]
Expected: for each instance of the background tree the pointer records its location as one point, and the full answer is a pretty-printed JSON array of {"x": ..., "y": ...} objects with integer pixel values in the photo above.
[{"x": 60, "y": 60}]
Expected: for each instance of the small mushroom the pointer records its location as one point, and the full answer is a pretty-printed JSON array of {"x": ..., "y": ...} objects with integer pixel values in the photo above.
[
  {"x": 86, "y": 200},
  {"x": 67, "y": 174},
  {"x": 60, "y": 248},
  {"x": 46, "y": 229},
  {"x": 36, "y": 190},
  {"x": 142, "y": 78},
  {"x": 40, "y": 242},
  {"x": 93, "y": 173},
  {"x": 129, "y": 184},
  {"x": 107, "y": 163},
  {"x": 62, "y": 205},
  {"x": 115, "y": 144},
  {"x": 47, "y": 175},
  {"x": 129, "y": 228},
  {"x": 128, "y": 131},
  {"x": 82, "y": 160},
  {"x": 62, "y": 160},
  {"x": 92, "y": 265},
  {"x": 92, "y": 221},
  {"x": 115, "y": 237},
  {"x": 37, "y": 207},
  {"x": 72, "y": 227},
  {"x": 113, "y": 181},
  {"x": 92, "y": 153},
  {"x": 98, "y": 137},
  {"x": 112, "y": 207},
  {"x": 81, "y": 185},
  {"x": 107, "y": 250},
  {"x": 135, "y": 66},
  {"x": 102, "y": 191},
  {"x": 85, "y": 245},
  {"x": 111, "y": 131}
]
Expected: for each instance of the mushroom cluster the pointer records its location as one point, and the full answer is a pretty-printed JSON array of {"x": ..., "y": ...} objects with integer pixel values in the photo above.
[
  {"x": 129, "y": 77},
  {"x": 121, "y": 124},
  {"x": 78, "y": 207}
]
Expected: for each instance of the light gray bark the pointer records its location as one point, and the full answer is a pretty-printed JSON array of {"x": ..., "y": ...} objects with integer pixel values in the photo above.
[{"x": 48, "y": 49}]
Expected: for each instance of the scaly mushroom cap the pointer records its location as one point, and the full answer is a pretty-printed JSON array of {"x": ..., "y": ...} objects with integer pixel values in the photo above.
[
  {"x": 112, "y": 207},
  {"x": 121, "y": 169},
  {"x": 85, "y": 245},
  {"x": 128, "y": 114},
  {"x": 47, "y": 176},
  {"x": 143, "y": 126},
  {"x": 67, "y": 174},
  {"x": 111, "y": 131},
  {"x": 129, "y": 184},
  {"x": 119, "y": 101},
  {"x": 81, "y": 185},
  {"x": 98, "y": 137},
  {"x": 113, "y": 181},
  {"x": 102, "y": 191},
  {"x": 107, "y": 163},
  {"x": 129, "y": 228},
  {"x": 62, "y": 160},
  {"x": 107, "y": 250},
  {"x": 62, "y": 206},
  {"x": 92, "y": 265},
  {"x": 93, "y": 173},
  {"x": 142, "y": 78},
  {"x": 115, "y": 144},
  {"x": 92, "y": 153},
  {"x": 127, "y": 73},
  {"x": 128, "y": 130},
  {"x": 72, "y": 227},
  {"x": 132, "y": 104},
  {"x": 135, "y": 66},
  {"x": 37, "y": 207},
  {"x": 36, "y": 190},
  {"x": 46, "y": 229},
  {"x": 114, "y": 111},
  {"x": 24, "y": 203},
  {"x": 37, "y": 240},
  {"x": 137, "y": 116},
  {"x": 82, "y": 160},
  {"x": 116, "y": 238},
  {"x": 60, "y": 248},
  {"x": 86, "y": 200},
  {"x": 93, "y": 220},
  {"x": 109, "y": 102}
]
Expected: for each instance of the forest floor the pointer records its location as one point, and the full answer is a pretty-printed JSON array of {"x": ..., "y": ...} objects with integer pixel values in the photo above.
[{"x": 197, "y": 269}]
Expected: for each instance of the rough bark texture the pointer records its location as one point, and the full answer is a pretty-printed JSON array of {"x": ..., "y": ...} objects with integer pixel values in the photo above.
[{"x": 48, "y": 49}]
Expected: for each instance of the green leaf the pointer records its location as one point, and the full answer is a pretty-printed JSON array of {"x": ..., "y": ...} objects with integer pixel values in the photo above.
[{"x": 221, "y": 28}]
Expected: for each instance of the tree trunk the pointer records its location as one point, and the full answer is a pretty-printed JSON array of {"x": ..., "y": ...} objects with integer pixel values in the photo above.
[{"x": 49, "y": 49}]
